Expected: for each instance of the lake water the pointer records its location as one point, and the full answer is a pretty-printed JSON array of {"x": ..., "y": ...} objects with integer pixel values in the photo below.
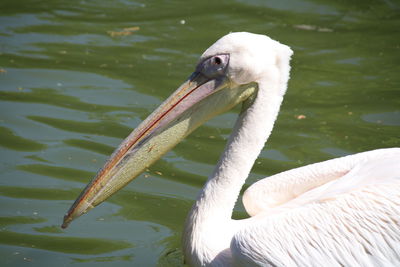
[{"x": 77, "y": 76}]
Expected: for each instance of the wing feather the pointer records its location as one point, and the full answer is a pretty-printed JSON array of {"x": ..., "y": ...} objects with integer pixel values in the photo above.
[
  {"x": 309, "y": 182},
  {"x": 342, "y": 212},
  {"x": 359, "y": 228}
]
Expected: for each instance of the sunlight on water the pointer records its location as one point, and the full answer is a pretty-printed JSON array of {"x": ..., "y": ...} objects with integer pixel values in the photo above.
[{"x": 75, "y": 79}]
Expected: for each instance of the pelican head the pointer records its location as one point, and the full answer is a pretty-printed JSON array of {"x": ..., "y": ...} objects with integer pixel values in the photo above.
[{"x": 228, "y": 73}]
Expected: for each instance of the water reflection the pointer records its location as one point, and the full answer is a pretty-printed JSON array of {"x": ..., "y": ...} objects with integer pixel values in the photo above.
[
  {"x": 70, "y": 91},
  {"x": 387, "y": 118}
]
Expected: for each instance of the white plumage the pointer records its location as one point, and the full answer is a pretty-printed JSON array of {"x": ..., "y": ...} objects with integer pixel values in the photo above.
[{"x": 342, "y": 212}]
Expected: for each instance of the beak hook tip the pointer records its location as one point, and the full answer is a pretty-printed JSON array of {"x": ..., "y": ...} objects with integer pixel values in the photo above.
[{"x": 66, "y": 221}]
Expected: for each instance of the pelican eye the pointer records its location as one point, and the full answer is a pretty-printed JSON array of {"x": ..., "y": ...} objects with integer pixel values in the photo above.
[
  {"x": 217, "y": 60},
  {"x": 214, "y": 66}
]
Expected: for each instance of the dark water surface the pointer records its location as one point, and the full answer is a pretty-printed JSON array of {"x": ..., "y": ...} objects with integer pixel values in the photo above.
[{"x": 77, "y": 76}]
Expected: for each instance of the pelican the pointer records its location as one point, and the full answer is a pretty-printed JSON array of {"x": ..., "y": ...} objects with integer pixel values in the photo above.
[{"x": 341, "y": 212}]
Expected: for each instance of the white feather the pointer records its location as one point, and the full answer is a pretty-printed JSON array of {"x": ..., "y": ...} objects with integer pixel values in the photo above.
[{"x": 342, "y": 212}]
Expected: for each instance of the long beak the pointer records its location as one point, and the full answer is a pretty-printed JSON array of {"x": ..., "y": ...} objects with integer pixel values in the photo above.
[{"x": 194, "y": 102}]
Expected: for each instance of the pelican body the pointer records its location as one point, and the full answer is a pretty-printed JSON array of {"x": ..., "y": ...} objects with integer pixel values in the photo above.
[{"x": 341, "y": 212}]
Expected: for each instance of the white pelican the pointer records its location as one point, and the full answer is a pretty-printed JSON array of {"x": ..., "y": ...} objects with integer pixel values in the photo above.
[{"x": 341, "y": 212}]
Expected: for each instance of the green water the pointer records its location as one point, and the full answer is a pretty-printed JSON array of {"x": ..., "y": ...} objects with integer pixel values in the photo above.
[{"x": 74, "y": 81}]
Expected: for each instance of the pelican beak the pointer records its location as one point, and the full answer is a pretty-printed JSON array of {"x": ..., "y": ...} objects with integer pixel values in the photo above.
[{"x": 194, "y": 102}]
